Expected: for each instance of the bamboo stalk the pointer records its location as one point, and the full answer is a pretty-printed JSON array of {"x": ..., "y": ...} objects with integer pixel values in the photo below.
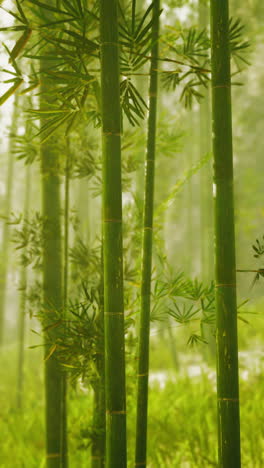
[
  {"x": 225, "y": 268},
  {"x": 112, "y": 236},
  {"x": 52, "y": 286},
  {"x": 143, "y": 352}
]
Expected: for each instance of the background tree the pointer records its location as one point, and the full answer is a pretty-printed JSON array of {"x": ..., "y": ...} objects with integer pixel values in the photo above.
[{"x": 6, "y": 227}]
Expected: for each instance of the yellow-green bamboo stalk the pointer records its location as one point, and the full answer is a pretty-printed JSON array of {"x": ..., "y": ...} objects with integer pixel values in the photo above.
[
  {"x": 52, "y": 286},
  {"x": 225, "y": 267},
  {"x": 112, "y": 238},
  {"x": 143, "y": 352}
]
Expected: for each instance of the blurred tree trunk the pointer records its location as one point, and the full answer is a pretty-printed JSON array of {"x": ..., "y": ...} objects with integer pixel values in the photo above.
[
  {"x": 64, "y": 440},
  {"x": 225, "y": 268},
  {"x": 98, "y": 442},
  {"x": 112, "y": 240},
  {"x": 206, "y": 208},
  {"x": 98, "y": 447},
  {"x": 7, "y": 211},
  {"x": 206, "y": 204},
  {"x": 23, "y": 300}
]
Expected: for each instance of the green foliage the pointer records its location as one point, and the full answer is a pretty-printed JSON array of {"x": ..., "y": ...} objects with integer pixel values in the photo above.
[
  {"x": 29, "y": 235},
  {"x": 189, "y": 400},
  {"x": 258, "y": 248},
  {"x": 189, "y": 49},
  {"x": 238, "y": 45},
  {"x": 185, "y": 301}
]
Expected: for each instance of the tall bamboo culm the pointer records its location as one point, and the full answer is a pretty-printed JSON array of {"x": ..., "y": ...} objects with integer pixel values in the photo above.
[
  {"x": 225, "y": 267},
  {"x": 144, "y": 328},
  {"x": 52, "y": 286},
  {"x": 6, "y": 226},
  {"x": 112, "y": 238}
]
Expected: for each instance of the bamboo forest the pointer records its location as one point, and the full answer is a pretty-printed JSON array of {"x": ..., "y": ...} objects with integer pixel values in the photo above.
[{"x": 131, "y": 234}]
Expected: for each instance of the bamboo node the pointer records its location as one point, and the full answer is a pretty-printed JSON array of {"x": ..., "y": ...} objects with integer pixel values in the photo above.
[
  {"x": 228, "y": 399},
  {"x": 145, "y": 228},
  {"x": 143, "y": 375},
  {"x": 113, "y": 313},
  {"x": 154, "y": 95},
  {"x": 221, "y": 86},
  {"x": 111, "y": 133},
  {"x": 109, "y": 43},
  {"x": 116, "y": 412},
  {"x": 112, "y": 220},
  {"x": 231, "y": 285},
  {"x": 53, "y": 455}
]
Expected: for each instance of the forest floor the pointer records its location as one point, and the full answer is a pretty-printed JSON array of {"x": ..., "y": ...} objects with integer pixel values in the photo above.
[{"x": 182, "y": 413}]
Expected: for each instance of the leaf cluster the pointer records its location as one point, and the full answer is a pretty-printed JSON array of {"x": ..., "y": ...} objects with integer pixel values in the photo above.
[
  {"x": 189, "y": 50},
  {"x": 258, "y": 247},
  {"x": 238, "y": 45},
  {"x": 28, "y": 238},
  {"x": 184, "y": 301}
]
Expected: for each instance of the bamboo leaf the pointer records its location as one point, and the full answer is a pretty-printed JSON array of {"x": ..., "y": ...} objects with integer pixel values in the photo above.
[
  {"x": 20, "y": 44},
  {"x": 51, "y": 352},
  {"x": 10, "y": 92},
  {"x": 48, "y": 7}
]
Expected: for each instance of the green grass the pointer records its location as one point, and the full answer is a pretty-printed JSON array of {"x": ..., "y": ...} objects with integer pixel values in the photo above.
[{"x": 182, "y": 415}]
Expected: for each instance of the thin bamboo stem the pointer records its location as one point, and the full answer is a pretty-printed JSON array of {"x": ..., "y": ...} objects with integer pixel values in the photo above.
[
  {"x": 143, "y": 352},
  {"x": 225, "y": 267},
  {"x": 112, "y": 237},
  {"x": 52, "y": 286}
]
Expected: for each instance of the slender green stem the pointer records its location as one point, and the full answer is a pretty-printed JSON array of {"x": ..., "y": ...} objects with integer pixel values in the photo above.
[
  {"x": 225, "y": 268},
  {"x": 134, "y": 4},
  {"x": 6, "y": 226},
  {"x": 112, "y": 235},
  {"x": 143, "y": 357}
]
